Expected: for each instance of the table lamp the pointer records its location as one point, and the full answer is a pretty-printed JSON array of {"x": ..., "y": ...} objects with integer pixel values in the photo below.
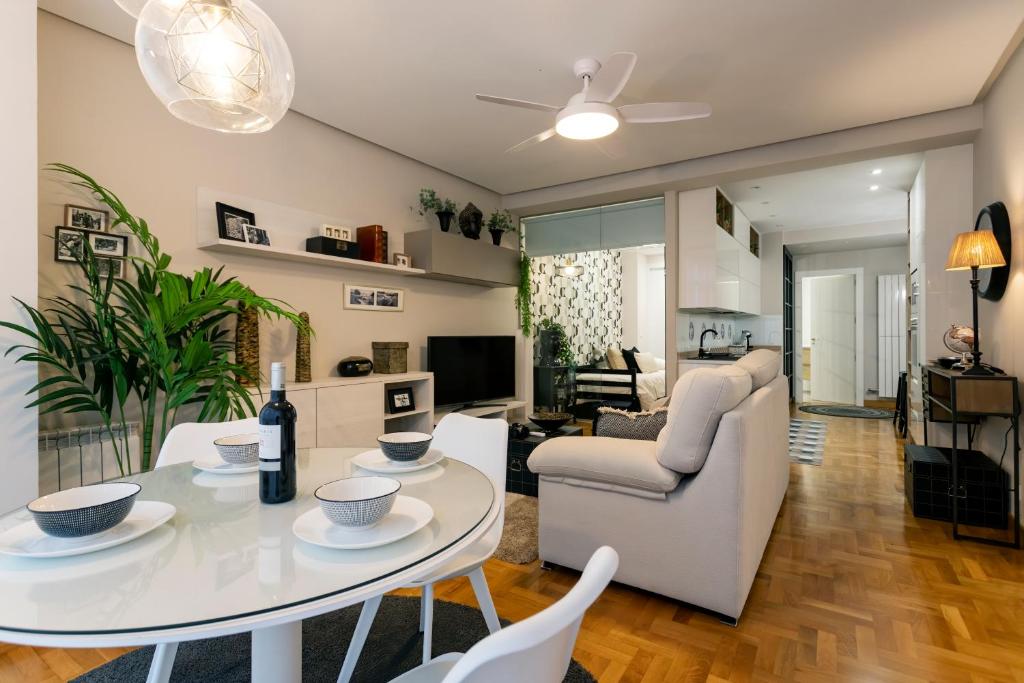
[{"x": 973, "y": 250}]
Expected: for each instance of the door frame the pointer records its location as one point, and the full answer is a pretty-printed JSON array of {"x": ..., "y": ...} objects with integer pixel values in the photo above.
[{"x": 858, "y": 283}]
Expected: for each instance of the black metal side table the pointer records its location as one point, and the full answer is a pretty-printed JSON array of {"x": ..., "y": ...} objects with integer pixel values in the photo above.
[
  {"x": 518, "y": 477},
  {"x": 964, "y": 400}
]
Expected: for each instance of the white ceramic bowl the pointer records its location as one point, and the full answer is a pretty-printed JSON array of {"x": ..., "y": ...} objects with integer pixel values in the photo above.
[
  {"x": 239, "y": 449},
  {"x": 84, "y": 510},
  {"x": 405, "y": 446},
  {"x": 358, "y": 502}
]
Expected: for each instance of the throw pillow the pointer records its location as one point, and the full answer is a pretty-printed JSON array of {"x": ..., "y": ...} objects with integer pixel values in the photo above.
[
  {"x": 621, "y": 424},
  {"x": 647, "y": 362},
  {"x": 763, "y": 366},
  {"x": 615, "y": 359},
  {"x": 699, "y": 400},
  {"x": 629, "y": 355}
]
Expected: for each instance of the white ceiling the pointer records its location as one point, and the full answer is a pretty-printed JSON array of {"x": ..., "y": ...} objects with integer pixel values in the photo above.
[
  {"x": 827, "y": 197},
  {"x": 403, "y": 74},
  {"x": 853, "y": 243}
]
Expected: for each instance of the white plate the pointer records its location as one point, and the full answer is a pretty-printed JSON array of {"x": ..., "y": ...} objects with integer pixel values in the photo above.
[
  {"x": 408, "y": 516},
  {"x": 218, "y": 466},
  {"x": 376, "y": 461},
  {"x": 27, "y": 540}
]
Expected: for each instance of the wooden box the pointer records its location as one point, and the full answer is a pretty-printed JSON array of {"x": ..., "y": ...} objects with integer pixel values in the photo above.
[{"x": 390, "y": 357}]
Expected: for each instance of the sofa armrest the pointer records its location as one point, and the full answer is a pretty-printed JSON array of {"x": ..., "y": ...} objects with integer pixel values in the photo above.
[{"x": 620, "y": 462}]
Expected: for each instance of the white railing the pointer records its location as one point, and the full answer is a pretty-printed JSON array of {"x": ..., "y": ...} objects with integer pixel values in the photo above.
[{"x": 83, "y": 455}]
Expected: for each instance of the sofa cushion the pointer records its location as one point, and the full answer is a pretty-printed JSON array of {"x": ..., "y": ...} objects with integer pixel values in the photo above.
[
  {"x": 625, "y": 424},
  {"x": 763, "y": 366},
  {"x": 647, "y": 362},
  {"x": 615, "y": 359},
  {"x": 622, "y": 462},
  {"x": 699, "y": 400}
]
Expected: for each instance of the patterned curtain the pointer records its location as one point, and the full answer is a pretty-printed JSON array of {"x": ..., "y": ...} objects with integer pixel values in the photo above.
[{"x": 589, "y": 307}]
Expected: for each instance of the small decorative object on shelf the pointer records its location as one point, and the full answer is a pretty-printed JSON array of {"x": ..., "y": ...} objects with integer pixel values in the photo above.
[
  {"x": 471, "y": 221},
  {"x": 247, "y": 345},
  {"x": 403, "y": 260},
  {"x": 958, "y": 339},
  {"x": 330, "y": 246},
  {"x": 336, "y": 232},
  {"x": 367, "y": 298},
  {"x": 255, "y": 235},
  {"x": 86, "y": 218},
  {"x": 498, "y": 224},
  {"x": 445, "y": 214},
  {"x": 354, "y": 366},
  {"x": 303, "y": 371},
  {"x": 390, "y": 357},
  {"x": 231, "y": 222},
  {"x": 373, "y": 243},
  {"x": 444, "y": 209},
  {"x": 401, "y": 400}
]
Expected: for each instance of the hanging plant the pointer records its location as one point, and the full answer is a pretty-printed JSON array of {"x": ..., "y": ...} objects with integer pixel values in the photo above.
[{"x": 523, "y": 295}]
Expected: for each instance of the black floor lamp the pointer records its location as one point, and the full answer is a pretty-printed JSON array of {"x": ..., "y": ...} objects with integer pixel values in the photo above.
[{"x": 973, "y": 250}]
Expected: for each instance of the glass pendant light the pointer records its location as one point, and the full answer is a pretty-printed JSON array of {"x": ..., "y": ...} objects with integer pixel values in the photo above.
[
  {"x": 569, "y": 269},
  {"x": 217, "y": 64}
]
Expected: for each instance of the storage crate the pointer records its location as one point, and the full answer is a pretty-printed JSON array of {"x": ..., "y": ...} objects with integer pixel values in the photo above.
[{"x": 984, "y": 487}]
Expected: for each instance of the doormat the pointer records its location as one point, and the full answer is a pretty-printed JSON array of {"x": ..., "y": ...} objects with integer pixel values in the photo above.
[
  {"x": 807, "y": 441},
  {"x": 847, "y": 411}
]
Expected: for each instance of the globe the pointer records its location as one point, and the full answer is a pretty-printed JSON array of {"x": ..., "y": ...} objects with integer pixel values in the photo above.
[{"x": 960, "y": 339}]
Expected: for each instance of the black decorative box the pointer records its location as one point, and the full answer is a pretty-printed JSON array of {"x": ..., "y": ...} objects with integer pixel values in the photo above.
[
  {"x": 332, "y": 247},
  {"x": 984, "y": 492},
  {"x": 518, "y": 477}
]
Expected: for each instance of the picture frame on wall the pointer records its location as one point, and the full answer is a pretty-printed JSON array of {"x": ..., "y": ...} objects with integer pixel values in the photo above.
[
  {"x": 256, "y": 235},
  {"x": 104, "y": 266},
  {"x": 108, "y": 245},
  {"x": 86, "y": 218},
  {"x": 373, "y": 298},
  {"x": 231, "y": 222},
  {"x": 68, "y": 244},
  {"x": 401, "y": 400}
]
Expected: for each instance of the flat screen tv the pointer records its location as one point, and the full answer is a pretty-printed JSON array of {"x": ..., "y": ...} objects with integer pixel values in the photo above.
[{"x": 472, "y": 369}]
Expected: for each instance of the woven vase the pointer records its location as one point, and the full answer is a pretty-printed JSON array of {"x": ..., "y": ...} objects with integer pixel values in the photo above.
[
  {"x": 303, "y": 373},
  {"x": 247, "y": 344}
]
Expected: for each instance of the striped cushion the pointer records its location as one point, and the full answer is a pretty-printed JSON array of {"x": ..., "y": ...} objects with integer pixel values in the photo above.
[{"x": 621, "y": 424}]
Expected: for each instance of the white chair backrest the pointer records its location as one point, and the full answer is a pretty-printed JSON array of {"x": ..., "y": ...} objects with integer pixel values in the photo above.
[
  {"x": 191, "y": 440},
  {"x": 482, "y": 443},
  {"x": 538, "y": 648}
]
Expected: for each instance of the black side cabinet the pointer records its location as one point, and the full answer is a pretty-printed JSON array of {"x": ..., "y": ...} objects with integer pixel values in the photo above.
[{"x": 519, "y": 478}]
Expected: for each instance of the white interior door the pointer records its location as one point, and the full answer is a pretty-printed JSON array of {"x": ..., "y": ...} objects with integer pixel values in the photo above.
[{"x": 833, "y": 322}]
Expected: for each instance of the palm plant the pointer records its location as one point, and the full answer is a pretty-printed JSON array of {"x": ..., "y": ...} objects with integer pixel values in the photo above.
[{"x": 156, "y": 344}]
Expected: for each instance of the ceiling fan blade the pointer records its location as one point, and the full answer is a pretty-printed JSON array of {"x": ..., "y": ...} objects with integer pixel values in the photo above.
[
  {"x": 664, "y": 112},
  {"x": 525, "y": 104},
  {"x": 611, "y": 78},
  {"x": 529, "y": 142}
]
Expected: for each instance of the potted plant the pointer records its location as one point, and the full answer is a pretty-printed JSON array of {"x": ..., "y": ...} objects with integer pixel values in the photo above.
[
  {"x": 498, "y": 224},
  {"x": 444, "y": 209}
]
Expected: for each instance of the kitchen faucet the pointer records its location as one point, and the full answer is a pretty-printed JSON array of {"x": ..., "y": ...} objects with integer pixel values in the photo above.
[{"x": 701, "y": 351}]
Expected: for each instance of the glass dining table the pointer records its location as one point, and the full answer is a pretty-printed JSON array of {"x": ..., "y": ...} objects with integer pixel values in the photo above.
[{"x": 225, "y": 563}]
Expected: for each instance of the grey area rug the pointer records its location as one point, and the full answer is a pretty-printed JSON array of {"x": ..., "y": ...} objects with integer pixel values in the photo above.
[
  {"x": 847, "y": 411},
  {"x": 807, "y": 441},
  {"x": 519, "y": 536},
  {"x": 393, "y": 647}
]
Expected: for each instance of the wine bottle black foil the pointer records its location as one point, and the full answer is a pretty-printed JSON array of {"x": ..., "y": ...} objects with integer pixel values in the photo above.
[{"x": 277, "y": 442}]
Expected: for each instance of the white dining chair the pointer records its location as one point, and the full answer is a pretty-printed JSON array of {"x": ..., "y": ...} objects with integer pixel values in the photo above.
[
  {"x": 483, "y": 444},
  {"x": 185, "y": 443},
  {"x": 536, "y": 649}
]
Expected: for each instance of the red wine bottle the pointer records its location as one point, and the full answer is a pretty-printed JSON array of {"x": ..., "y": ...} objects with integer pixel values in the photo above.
[{"x": 277, "y": 442}]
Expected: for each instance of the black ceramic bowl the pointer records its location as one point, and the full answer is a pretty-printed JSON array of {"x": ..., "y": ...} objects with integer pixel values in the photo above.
[
  {"x": 550, "y": 422},
  {"x": 84, "y": 510}
]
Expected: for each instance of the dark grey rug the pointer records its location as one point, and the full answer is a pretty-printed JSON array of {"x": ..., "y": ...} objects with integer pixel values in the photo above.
[
  {"x": 848, "y": 411},
  {"x": 393, "y": 647}
]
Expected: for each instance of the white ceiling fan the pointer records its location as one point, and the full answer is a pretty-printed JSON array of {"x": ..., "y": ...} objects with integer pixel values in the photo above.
[{"x": 589, "y": 114}]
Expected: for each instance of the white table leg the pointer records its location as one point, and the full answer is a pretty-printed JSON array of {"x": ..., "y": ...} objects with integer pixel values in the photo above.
[
  {"x": 163, "y": 662},
  {"x": 277, "y": 654},
  {"x": 355, "y": 646}
]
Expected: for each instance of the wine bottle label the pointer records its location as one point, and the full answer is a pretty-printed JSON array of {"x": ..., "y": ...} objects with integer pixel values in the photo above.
[{"x": 270, "y": 448}]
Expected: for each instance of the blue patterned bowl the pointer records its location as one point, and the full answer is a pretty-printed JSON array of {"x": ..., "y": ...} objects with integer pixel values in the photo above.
[
  {"x": 84, "y": 510},
  {"x": 358, "y": 502},
  {"x": 239, "y": 449},
  {"x": 405, "y": 446}
]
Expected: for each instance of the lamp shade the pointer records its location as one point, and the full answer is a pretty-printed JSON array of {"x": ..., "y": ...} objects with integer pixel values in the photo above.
[{"x": 975, "y": 249}]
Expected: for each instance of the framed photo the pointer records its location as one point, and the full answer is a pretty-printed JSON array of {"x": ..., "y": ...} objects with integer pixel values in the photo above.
[
  {"x": 255, "y": 235},
  {"x": 85, "y": 218},
  {"x": 390, "y": 299},
  {"x": 337, "y": 232},
  {"x": 369, "y": 298},
  {"x": 108, "y": 244},
  {"x": 403, "y": 260},
  {"x": 67, "y": 244},
  {"x": 401, "y": 400},
  {"x": 231, "y": 222},
  {"x": 110, "y": 265}
]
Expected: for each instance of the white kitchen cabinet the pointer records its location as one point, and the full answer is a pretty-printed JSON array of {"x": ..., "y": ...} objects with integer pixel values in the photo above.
[
  {"x": 749, "y": 297},
  {"x": 351, "y": 415}
]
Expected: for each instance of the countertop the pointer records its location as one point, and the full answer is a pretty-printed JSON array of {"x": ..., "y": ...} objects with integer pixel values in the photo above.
[{"x": 692, "y": 355}]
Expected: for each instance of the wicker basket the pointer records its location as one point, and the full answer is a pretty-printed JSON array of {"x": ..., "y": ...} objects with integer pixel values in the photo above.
[{"x": 390, "y": 358}]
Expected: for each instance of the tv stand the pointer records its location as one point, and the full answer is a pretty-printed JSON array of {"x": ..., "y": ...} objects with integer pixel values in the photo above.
[
  {"x": 500, "y": 410},
  {"x": 469, "y": 406}
]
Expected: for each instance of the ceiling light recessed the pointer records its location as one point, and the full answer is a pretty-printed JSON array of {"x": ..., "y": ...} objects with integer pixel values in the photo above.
[
  {"x": 764, "y": 203},
  {"x": 755, "y": 187},
  {"x": 876, "y": 171},
  {"x": 873, "y": 188}
]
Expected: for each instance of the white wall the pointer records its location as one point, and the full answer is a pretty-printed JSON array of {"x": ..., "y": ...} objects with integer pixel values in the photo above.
[
  {"x": 631, "y": 301},
  {"x": 97, "y": 113},
  {"x": 18, "y": 164}
]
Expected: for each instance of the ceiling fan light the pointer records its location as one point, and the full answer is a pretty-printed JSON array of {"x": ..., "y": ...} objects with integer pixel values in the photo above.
[{"x": 588, "y": 121}]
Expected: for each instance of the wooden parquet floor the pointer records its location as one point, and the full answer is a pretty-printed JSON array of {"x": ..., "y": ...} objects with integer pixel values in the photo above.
[{"x": 852, "y": 588}]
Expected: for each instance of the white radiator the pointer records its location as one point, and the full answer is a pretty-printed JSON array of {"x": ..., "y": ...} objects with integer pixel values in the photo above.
[
  {"x": 83, "y": 455},
  {"x": 892, "y": 332}
]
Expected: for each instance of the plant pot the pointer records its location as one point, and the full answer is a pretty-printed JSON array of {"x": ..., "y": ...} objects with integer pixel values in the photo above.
[
  {"x": 445, "y": 219},
  {"x": 496, "y": 236}
]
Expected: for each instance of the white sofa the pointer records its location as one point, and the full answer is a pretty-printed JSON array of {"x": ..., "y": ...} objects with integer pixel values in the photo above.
[{"x": 690, "y": 514}]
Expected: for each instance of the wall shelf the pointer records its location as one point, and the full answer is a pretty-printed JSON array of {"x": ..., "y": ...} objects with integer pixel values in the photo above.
[
  {"x": 452, "y": 257},
  {"x": 411, "y": 413},
  {"x": 275, "y": 253}
]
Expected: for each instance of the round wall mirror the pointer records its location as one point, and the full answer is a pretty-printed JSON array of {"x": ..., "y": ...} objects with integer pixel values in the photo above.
[{"x": 993, "y": 280}]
